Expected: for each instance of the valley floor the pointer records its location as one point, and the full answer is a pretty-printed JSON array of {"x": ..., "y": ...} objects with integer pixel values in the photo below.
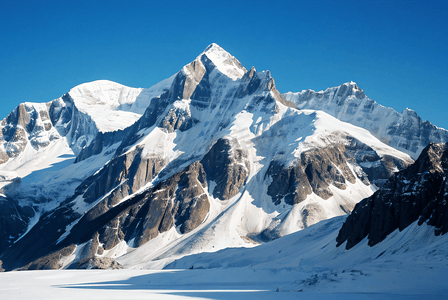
[{"x": 230, "y": 283}]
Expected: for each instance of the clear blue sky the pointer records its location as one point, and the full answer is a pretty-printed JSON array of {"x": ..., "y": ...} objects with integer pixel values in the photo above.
[{"x": 397, "y": 51}]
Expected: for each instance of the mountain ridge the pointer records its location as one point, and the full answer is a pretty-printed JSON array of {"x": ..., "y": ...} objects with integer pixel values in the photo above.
[
  {"x": 404, "y": 131},
  {"x": 217, "y": 159}
]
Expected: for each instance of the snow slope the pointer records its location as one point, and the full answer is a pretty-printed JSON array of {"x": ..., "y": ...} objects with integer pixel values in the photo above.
[
  {"x": 113, "y": 106},
  {"x": 407, "y": 262}
]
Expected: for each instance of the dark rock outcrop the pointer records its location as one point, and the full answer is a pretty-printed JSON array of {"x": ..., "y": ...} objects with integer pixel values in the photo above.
[
  {"x": 314, "y": 172},
  {"x": 41, "y": 240},
  {"x": 100, "y": 142},
  {"x": 374, "y": 169},
  {"x": 179, "y": 200},
  {"x": 99, "y": 263},
  {"x": 123, "y": 176},
  {"x": 418, "y": 193}
]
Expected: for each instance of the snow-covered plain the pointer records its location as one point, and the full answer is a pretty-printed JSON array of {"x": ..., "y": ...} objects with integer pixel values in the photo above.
[
  {"x": 177, "y": 284},
  {"x": 411, "y": 264}
]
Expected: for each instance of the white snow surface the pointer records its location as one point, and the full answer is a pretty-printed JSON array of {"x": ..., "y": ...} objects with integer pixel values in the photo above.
[{"x": 113, "y": 106}]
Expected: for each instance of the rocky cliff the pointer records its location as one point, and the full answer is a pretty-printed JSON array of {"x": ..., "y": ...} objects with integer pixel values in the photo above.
[{"x": 417, "y": 193}]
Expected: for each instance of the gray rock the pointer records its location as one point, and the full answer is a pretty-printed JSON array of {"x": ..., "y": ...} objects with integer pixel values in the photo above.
[
  {"x": 315, "y": 171},
  {"x": 78, "y": 127},
  {"x": 103, "y": 263}
]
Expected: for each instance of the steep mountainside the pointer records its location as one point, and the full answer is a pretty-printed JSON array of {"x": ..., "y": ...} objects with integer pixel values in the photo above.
[
  {"x": 418, "y": 193},
  {"x": 404, "y": 131},
  {"x": 217, "y": 159}
]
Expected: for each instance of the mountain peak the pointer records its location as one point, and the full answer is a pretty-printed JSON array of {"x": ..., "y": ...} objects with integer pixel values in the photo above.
[
  {"x": 351, "y": 88},
  {"x": 214, "y": 47},
  {"x": 224, "y": 61}
]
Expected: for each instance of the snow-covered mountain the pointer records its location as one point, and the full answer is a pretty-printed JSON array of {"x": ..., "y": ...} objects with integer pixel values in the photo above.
[
  {"x": 393, "y": 242},
  {"x": 404, "y": 131},
  {"x": 210, "y": 158}
]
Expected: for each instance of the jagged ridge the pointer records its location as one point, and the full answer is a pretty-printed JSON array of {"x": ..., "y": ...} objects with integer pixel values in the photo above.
[{"x": 405, "y": 131}]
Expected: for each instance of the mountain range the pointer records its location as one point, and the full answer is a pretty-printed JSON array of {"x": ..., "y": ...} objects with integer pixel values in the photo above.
[{"x": 214, "y": 157}]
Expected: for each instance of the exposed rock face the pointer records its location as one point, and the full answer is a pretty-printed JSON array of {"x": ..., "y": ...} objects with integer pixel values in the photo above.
[
  {"x": 78, "y": 127},
  {"x": 403, "y": 131},
  {"x": 101, "y": 141},
  {"x": 290, "y": 183},
  {"x": 99, "y": 263},
  {"x": 416, "y": 193},
  {"x": 41, "y": 242},
  {"x": 372, "y": 167},
  {"x": 227, "y": 166},
  {"x": 317, "y": 169},
  {"x": 123, "y": 176},
  {"x": 14, "y": 133},
  {"x": 253, "y": 82},
  {"x": 178, "y": 119},
  {"x": 179, "y": 200},
  {"x": 191, "y": 199},
  {"x": 38, "y": 124}
]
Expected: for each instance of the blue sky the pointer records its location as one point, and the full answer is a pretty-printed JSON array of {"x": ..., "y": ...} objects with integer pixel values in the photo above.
[{"x": 397, "y": 51}]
